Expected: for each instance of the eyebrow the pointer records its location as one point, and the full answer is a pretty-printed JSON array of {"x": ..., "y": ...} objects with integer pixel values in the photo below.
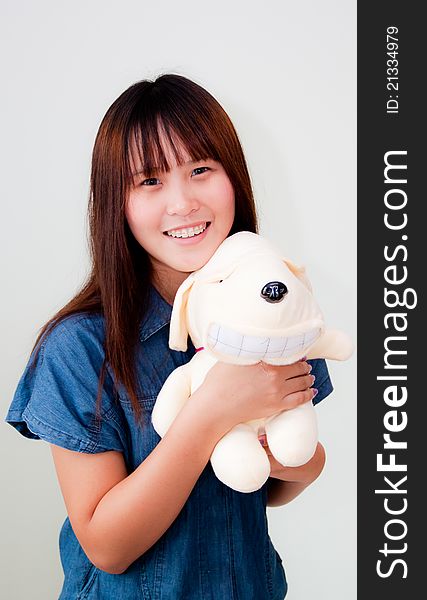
[{"x": 157, "y": 169}]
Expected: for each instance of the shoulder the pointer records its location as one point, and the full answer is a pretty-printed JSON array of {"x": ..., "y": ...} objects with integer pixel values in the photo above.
[
  {"x": 56, "y": 396},
  {"x": 77, "y": 326},
  {"x": 71, "y": 335}
]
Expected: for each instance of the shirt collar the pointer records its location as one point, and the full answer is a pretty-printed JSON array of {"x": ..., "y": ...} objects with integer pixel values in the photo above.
[{"x": 158, "y": 314}]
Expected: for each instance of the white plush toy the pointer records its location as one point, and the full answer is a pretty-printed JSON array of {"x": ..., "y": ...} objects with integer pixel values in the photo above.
[{"x": 245, "y": 305}]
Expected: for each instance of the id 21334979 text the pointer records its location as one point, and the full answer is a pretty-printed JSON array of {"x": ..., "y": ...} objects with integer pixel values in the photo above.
[{"x": 392, "y": 71}]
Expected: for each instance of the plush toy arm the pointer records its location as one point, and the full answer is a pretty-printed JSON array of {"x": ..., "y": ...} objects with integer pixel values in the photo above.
[
  {"x": 175, "y": 392},
  {"x": 333, "y": 344}
]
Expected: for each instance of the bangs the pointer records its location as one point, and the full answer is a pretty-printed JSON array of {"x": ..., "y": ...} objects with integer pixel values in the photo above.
[{"x": 183, "y": 129}]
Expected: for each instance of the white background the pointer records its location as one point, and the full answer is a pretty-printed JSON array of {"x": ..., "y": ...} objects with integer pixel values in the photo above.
[{"x": 286, "y": 74}]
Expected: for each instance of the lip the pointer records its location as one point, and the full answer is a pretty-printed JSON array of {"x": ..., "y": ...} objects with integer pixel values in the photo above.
[
  {"x": 190, "y": 240},
  {"x": 186, "y": 226}
]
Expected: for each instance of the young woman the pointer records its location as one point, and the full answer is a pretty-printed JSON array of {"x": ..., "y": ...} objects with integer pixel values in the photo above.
[{"x": 147, "y": 518}]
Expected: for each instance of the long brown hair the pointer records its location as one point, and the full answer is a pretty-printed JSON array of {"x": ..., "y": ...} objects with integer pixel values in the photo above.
[{"x": 117, "y": 286}]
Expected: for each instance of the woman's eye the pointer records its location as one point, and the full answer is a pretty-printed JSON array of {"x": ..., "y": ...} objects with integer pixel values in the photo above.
[
  {"x": 200, "y": 168},
  {"x": 149, "y": 180}
]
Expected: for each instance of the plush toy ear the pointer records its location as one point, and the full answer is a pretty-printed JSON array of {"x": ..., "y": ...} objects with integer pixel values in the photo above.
[
  {"x": 178, "y": 332},
  {"x": 298, "y": 272}
]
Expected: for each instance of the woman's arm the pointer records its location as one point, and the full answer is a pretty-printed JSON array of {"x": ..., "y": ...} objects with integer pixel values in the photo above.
[
  {"x": 117, "y": 517},
  {"x": 286, "y": 483}
]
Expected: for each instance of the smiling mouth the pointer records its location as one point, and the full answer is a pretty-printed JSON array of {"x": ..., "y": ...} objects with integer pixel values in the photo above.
[
  {"x": 188, "y": 232},
  {"x": 230, "y": 342}
]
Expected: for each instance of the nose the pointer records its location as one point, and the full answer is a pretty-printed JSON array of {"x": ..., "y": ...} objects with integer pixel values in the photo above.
[
  {"x": 274, "y": 291},
  {"x": 181, "y": 201}
]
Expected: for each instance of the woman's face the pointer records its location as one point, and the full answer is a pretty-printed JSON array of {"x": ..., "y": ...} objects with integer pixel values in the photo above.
[{"x": 161, "y": 212}]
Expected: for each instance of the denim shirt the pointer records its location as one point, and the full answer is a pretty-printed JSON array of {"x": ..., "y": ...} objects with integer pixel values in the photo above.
[{"x": 218, "y": 546}]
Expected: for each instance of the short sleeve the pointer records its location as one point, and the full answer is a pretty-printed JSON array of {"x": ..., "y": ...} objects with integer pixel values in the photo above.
[
  {"x": 323, "y": 381},
  {"x": 56, "y": 401}
]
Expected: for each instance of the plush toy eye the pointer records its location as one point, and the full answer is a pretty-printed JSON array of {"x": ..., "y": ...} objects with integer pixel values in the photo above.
[{"x": 215, "y": 277}]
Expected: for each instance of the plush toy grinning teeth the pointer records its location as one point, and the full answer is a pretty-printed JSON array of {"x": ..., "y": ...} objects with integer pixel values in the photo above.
[{"x": 224, "y": 340}]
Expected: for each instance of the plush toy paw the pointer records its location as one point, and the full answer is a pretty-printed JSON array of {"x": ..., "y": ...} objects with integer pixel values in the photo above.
[{"x": 240, "y": 461}]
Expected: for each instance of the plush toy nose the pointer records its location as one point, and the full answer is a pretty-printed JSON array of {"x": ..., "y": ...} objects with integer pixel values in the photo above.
[{"x": 274, "y": 291}]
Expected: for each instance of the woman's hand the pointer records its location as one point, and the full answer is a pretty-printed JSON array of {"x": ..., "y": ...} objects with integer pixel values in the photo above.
[
  {"x": 232, "y": 394},
  {"x": 306, "y": 473}
]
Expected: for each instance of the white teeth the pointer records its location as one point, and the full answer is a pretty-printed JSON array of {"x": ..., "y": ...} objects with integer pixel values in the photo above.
[
  {"x": 227, "y": 341},
  {"x": 188, "y": 232}
]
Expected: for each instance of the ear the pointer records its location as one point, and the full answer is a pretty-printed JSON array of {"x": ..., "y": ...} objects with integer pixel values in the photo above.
[
  {"x": 298, "y": 272},
  {"x": 178, "y": 332}
]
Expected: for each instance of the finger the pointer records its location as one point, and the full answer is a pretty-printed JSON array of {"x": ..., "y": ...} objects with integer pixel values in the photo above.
[
  {"x": 268, "y": 451},
  {"x": 298, "y": 398},
  {"x": 298, "y": 384},
  {"x": 288, "y": 371},
  {"x": 306, "y": 369},
  {"x": 296, "y": 369},
  {"x": 263, "y": 441}
]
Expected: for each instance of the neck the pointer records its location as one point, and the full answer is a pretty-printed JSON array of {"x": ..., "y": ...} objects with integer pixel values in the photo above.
[{"x": 167, "y": 281}]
